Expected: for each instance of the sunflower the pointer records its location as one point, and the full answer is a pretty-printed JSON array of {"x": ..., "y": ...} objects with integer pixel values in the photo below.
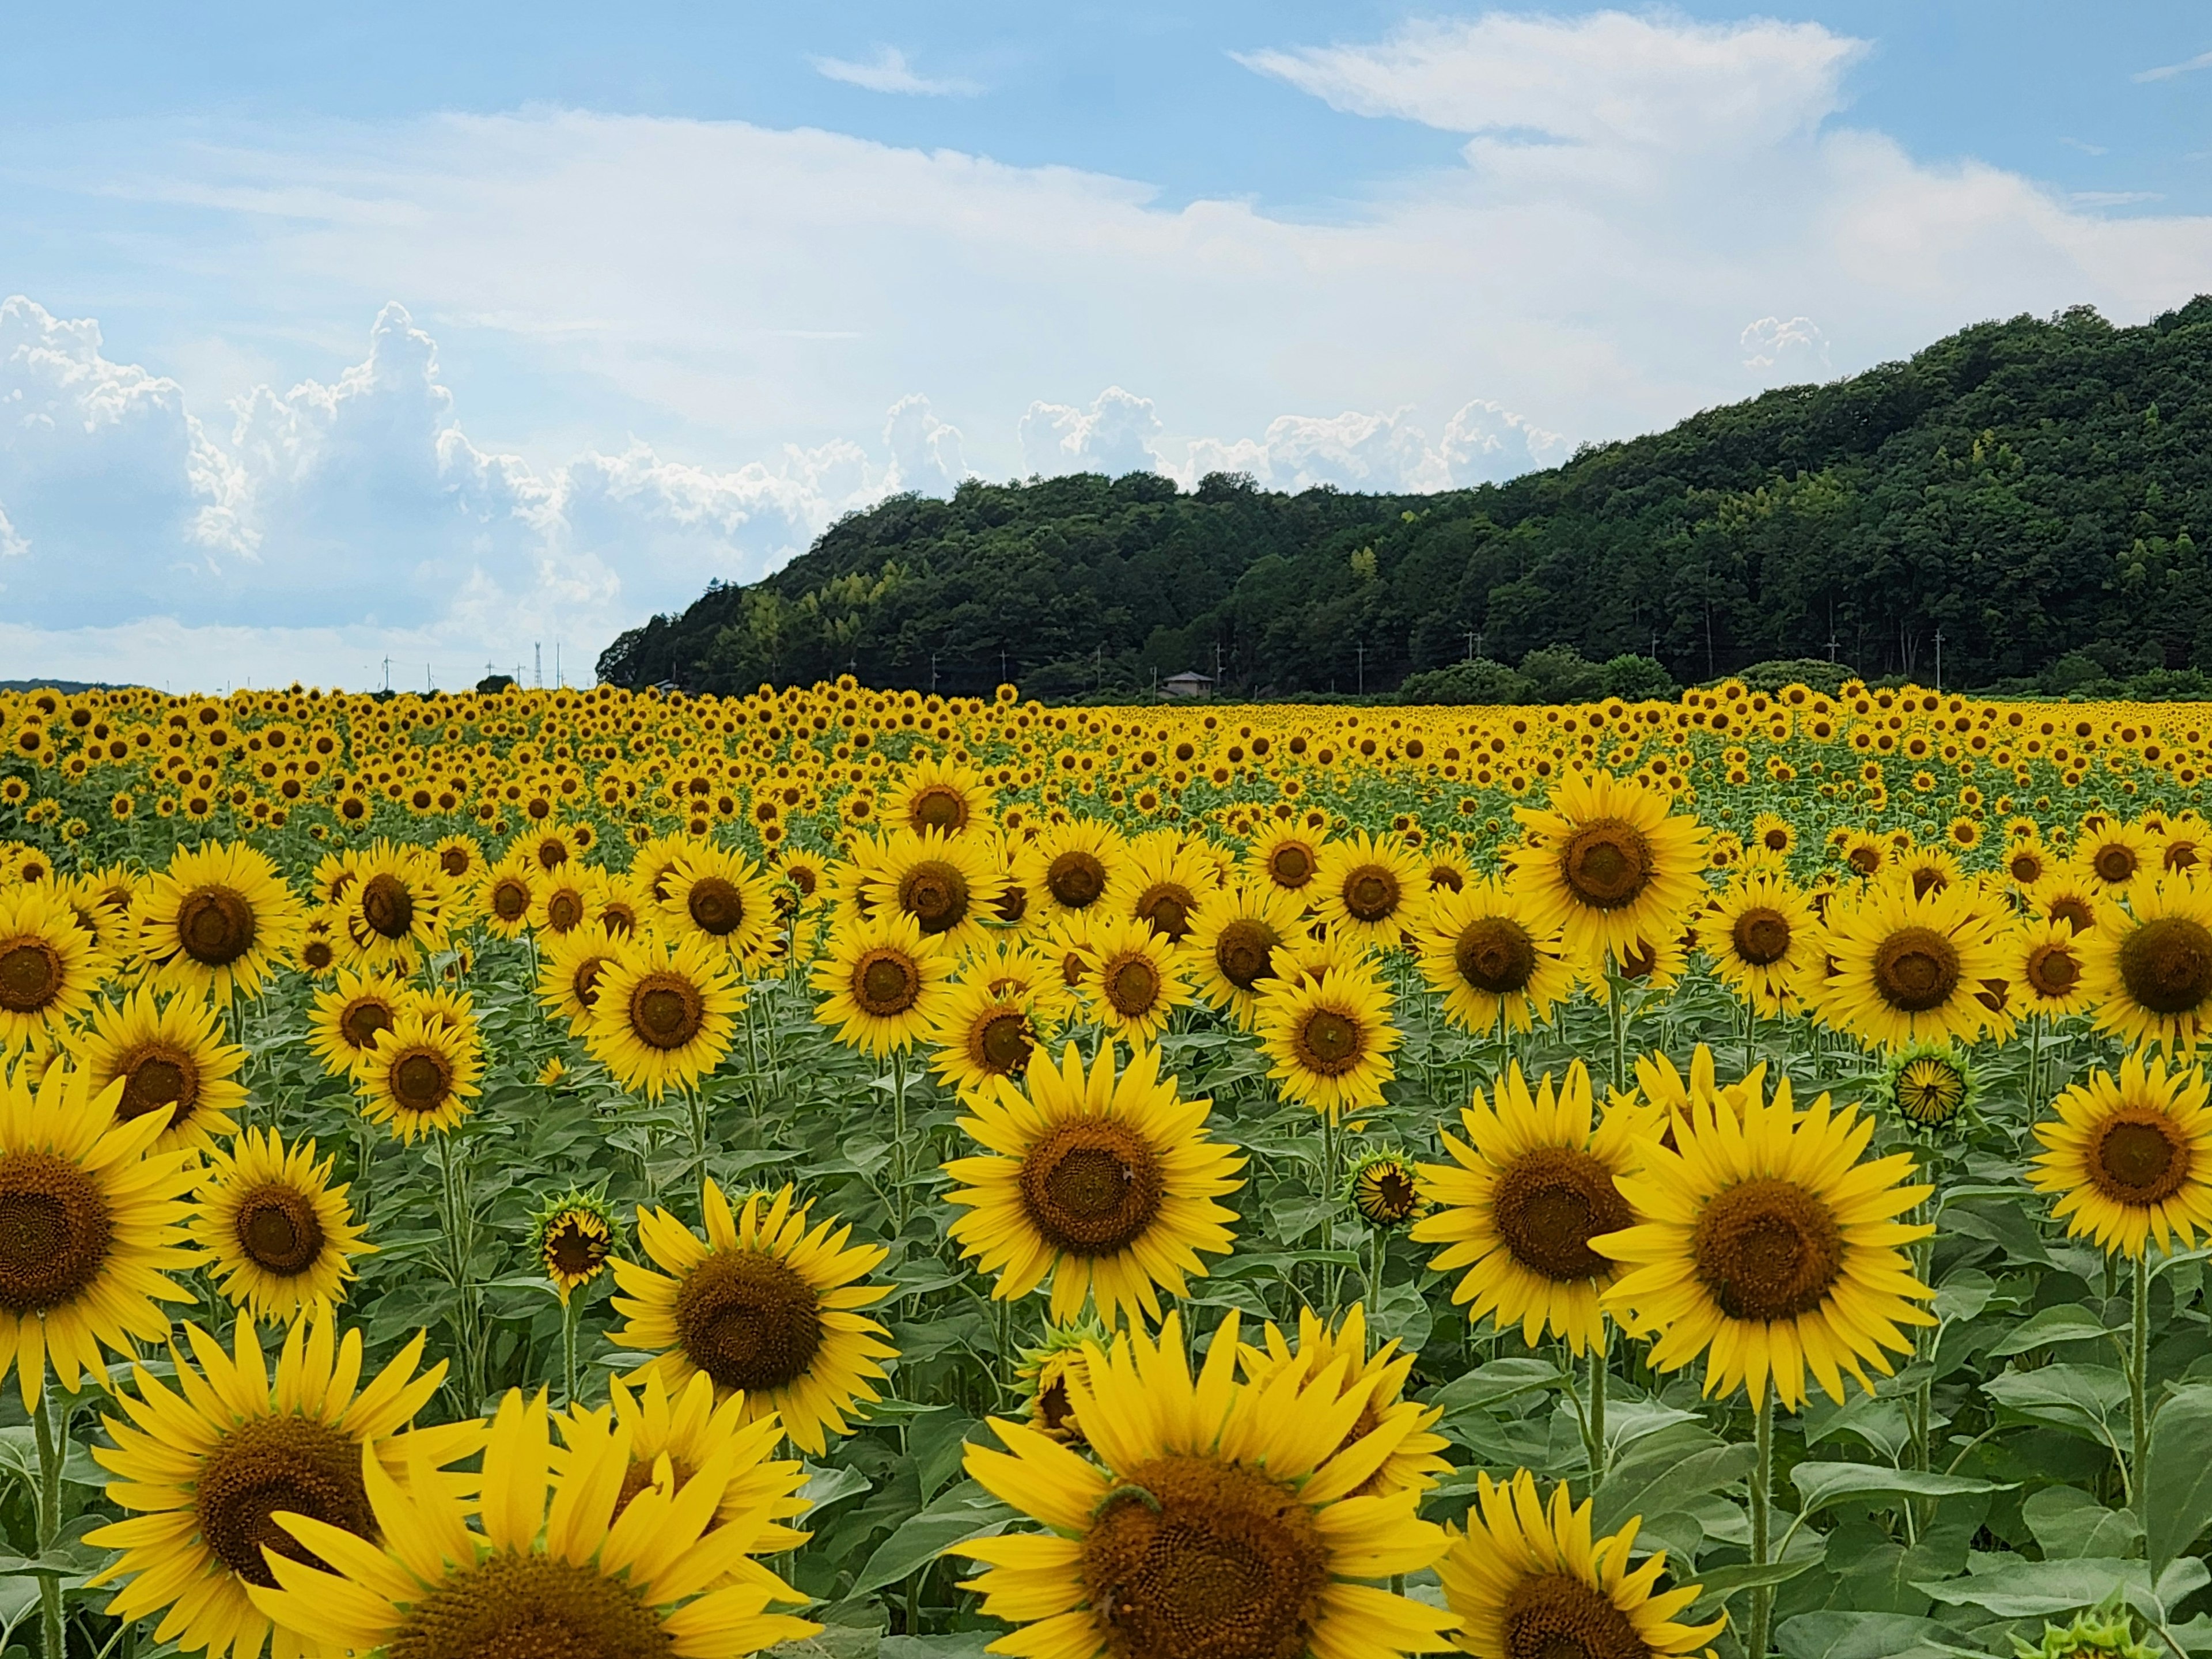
[
  {"x": 1044, "y": 1372},
  {"x": 1930, "y": 1085},
  {"x": 940, "y": 798},
  {"x": 206, "y": 1468},
  {"x": 1868, "y": 855},
  {"x": 2028, "y": 861},
  {"x": 1479, "y": 952},
  {"x": 1914, "y": 968},
  {"x": 461, "y": 855},
  {"x": 1103, "y": 1181},
  {"x": 317, "y": 952},
  {"x": 1605, "y": 864},
  {"x": 540, "y": 1577},
  {"x": 571, "y": 1237},
  {"x": 617, "y": 904},
  {"x": 762, "y": 1305},
  {"x": 2062, "y": 896},
  {"x": 561, "y": 901},
  {"x": 2149, "y": 965},
  {"x": 980, "y": 1036},
  {"x": 722, "y": 898},
  {"x": 421, "y": 1076},
  {"x": 1231, "y": 947},
  {"x": 880, "y": 983},
  {"x": 1218, "y": 1520},
  {"x": 344, "y": 1024},
  {"x": 948, "y": 884},
  {"x": 506, "y": 894},
  {"x": 2131, "y": 1156},
  {"x": 1385, "y": 1190},
  {"x": 1526, "y": 1581},
  {"x": 1368, "y": 889},
  {"x": 1069, "y": 866},
  {"x": 1763, "y": 941},
  {"x": 1768, "y": 1245},
  {"x": 217, "y": 922},
  {"x": 570, "y": 967},
  {"x": 1163, "y": 884},
  {"x": 663, "y": 1014},
  {"x": 1771, "y": 834},
  {"x": 2113, "y": 855},
  {"x": 49, "y": 967},
  {"x": 92, "y": 1223},
  {"x": 1132, "y": 979},
  {"x": 1340, "y": 1356},
  {"x": 1020, "y": 969},
  {"x": 1330, "y": 1038},
  {"x": 396, "y": 908},
  {"x": 1286, "y": 858},
  {"x": 806, "y": 874},
  {"x": 1525, "y": 1193},
  {"x": 280, "y": 1238},
  {"x": 1928, "y": 869},
  {"x": 172, "y": 1061},
  {"x": 2049, "y": 968}
]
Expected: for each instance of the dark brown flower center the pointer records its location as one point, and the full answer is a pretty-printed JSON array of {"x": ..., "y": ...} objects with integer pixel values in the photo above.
[
  {"x": 1290, "y": 866},
  {"x": 748, "y": 1320},
  {"x": 1495, "y": 955},
  {"x": 216, "y": 925},
  {"x": 510, "y": 899},
  {"x": 1244, "y": 952},
  {"x": 584, "y": 981},
  {"x": 360, "y": 1021},
  {"x": 1091, "y": 1188},
  {"x": 454, "y": 861},
  {"x": 1386, "y": 1194},
  {"x": 1558, "y": 1617},
  {"x": 2026, "y": 868},
  {"x": 2115, "y": 862},
  {"x": 279, "y": 1230},
  {"x": 935, "y": 895},
  {"x": 1549, "y": 1203},
  {"x": 1865, "y": 859},
  {"x": 1760, "y": 936},
  {"x": 1329, "y": 1041},
  {"x": 421, "y": 1079},
  {"x": 1001, "y": 1041},
  {"x": 666, "y": 1010},
  {"x": 564, "y": 910},
  {"x": 1444, "y": 877},
  {"x": 885, "y": 982},
  {"x": 2052, "y": 970},
  {"x": 31, "y": 977},
  {"x": 2181, "y": 855},
  {"x": 530, "y": 1606},
  {"x": 159, "y": 1076},
  {"x": 2166, "y": 964},
  {"x": 575, "y": 1248},
  {"x": 1165, "y": 906},
  {"x": 1767, "y": 1249},
  {"x": 1076, "y": 879},
  {"x": 1370, "y": 892},
  {"x": 2138, "y": 1157},
  {"x": 2075, "y": 912},
  {"x": 268, "y": 1465},
  {"x": 55, "y": 1231},
  {"x": 939, "y": 806},
  {"x": 316, "y": 955},
  {"x": 1605, "y": 864},
  {"x": 1133, "y": 985},
  {"x": 1929, "y": 878},
  {"x": 1190, "y": 1558},
  {"x": 388, "y": 906},
  {"x": 1915, "y": 969},
  {"x": 714, "y": 906}
]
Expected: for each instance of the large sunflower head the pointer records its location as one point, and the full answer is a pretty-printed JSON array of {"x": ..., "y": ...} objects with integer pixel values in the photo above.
[
  {"x": 569, "y": 967},
  {"x": 49, "y": 966},
  {"x": 2050, "y": 969},
  {"x": 206, "y": 1467},
  {"x": 1217, "y": 1520},
  {"x": 1338, "y": 1357},
  {"x": 1330, "y": 1039},
  {"x": 2131, "y": 1157},
  {"x": 1069, "y": 866},
  {"x": 1527, "y": 1191},
  {"x": 2064, "y": 897},
  {"x": 1770, "y": 1245},
  {"x": 399, "y": 906},
  {"x": 1528, "y": 1581},
  {"x": 949, "y": 884},
  {"x": 940, "y": 797},
  {"x": 1287, "y": 859},
  {"x": 1915, "y": 968},
  {"x": 92, "y": 1224},
  {"x": 881, "y": 982},
  {"x": 1102, "y": 1181},
  {"x": 1606, "y": 864},
  {"x": 562, "y": 902},
  {"x": 1232, "y": 945},
  {"x": 722, "y": 898},
  {"x": 663, "y": 1014},
  {"x": 1133, "y": 980},
  {"x": 280, "y": 1237},
  {"x": 980, "y": 1037},
  {"x": 547, "y": 1570},
  {"x": 2111, "y": 855},
  {"x": 765, "y": 1305},
  {"x": 1482, "y": 953},
  {"x": 218, "y": 922},
  {"x": 1762, "y": 938},
  {"x": 2149, "y": 965},
  {"x": 172, "y": 1061},
  {"x": 507, "y": 892},
  {"x": 1368, "y": 889},
  {"x": 1164, "y": 881},
  {"x": 421, "y": 1076},
  {"x": 344, "y": 1023}
]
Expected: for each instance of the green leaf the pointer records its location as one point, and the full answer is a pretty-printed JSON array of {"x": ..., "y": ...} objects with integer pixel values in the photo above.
[
  {"x": 1819, "y": 1485},
  {"x": 2177, "y": 1485},
  {"x": 1720, "y": 1583},
  {"x": 2081, "y": 1399},
  {"x": 955, "y": 1518},
  {"x": 2050, "y": 1327},
  {"x": 2069, "y": 1523},
  {"x": 2021, "y": 1588},
  {"x": 1859, "y": 1636},
  {"x": 1500, "y": 1379},
  {"x": 1666, "y": 1470}
]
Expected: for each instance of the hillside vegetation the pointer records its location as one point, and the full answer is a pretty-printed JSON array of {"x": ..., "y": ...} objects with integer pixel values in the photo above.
[{"x": 2026, "y": 490}]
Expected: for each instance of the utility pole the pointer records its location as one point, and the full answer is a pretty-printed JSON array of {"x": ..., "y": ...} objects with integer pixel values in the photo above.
[
  {"x": 1939, "y": 660},
  {"x": 1217, "y": 667},
  {"x": 1362, "y": 649},
  {"x": 557, "y": 680},
  {"x": 1832, "y": 644},
  {"x": 387, "y": 673},
  {"x": 538, "y": 666},
  {"x": 932, "y": 673},
  {"x": 1002, "y": 664},
  {"x": 1469, "y": 637}
]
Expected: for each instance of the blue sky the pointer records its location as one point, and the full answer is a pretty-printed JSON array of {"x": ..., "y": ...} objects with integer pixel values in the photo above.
[{"x": 435, "y": 332}]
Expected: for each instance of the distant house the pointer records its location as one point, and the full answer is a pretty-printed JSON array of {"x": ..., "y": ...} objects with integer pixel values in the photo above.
[{"x": 1188, "y": 684}]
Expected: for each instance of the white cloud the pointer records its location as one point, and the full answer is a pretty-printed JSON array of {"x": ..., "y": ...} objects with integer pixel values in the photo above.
[
  {"x": 1792, "y": 350},
  {"x": 889, "y": 71},
  {"x": 1482, "y": 443},
  {"x": 2169, "y": 71},
  {"x": 1114, "y": 435},
  {"x": 925, "y": 450}
]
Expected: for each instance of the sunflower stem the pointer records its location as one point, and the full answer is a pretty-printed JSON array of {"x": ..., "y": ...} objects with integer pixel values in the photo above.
[
  {"x": 2138, "y": 1388},
  {"x": 52, "y": 1451},
  {"x": 898, "y": 1137},
  {"x": 1598, "y": 1370},
  {"x": 1762, "y": 1489},
  {"x": 1616, "y": 1007},
  {"x": 571, "y": 1311}
]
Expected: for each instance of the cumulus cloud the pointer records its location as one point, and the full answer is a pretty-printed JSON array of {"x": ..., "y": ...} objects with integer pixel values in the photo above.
[
  {"x": 925, "y": 450},
  {"x": 1482, "y": 442},
  {"x": 889, "y": 71},
  {"x": 1114, "y": 435},
  {"x": 1792, "y": 350}
]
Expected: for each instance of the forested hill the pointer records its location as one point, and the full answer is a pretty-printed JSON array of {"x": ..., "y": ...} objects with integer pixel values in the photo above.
[{"x": 2028, "y": 488}]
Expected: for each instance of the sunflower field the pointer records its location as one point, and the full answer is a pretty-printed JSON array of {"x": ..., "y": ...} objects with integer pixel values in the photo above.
[{"x": 583, "y": 1176}]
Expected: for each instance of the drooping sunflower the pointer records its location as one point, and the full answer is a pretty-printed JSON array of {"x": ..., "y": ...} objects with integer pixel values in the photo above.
[
  {"x": 1069, "y": 866},
  {"x": 206, "y": 1467},
  {"x": 1767, "y": 1245},
  {"x": 280, "y": 1237},
  {"x": 550, "y": 1571},
  {"x": 1930, "y": 1085},
  {"x": 1525, "y": 1193},
  {"x": 1102, "y": 1181},
  {"x": 1480, "y": 952},
  {"x": 92, "y": 1224},
  {"x": 1132, "y": 979},
  {"x": 1385, "y": 1190},
  {"x": 421, "y": 1076},
  {"x": 506, "y": 894},
  {"x": 572, "y": 1238},
  {"x": 1232, "y": 948},
  {"x": 218, "y": 922},
  {"x": 1330, "y": 1038},
  {"x": 2148, "y": 966},
  {"x": 344, "y": 1024},
  {"x": 938, "y": 797},
  {"x": 721, "y": 898},
  {"x": 948, "y": 884},
  {"x": 570, "y": 968},
  {"x": 399, "y": 907},
  {"x": 664, "y": 1013},
  {"x": 881, "y": 983},
  {"x": 1164, "y": 883},
  {"x": 1045, "y": 1371},
  {"x": 1526, "y": 1581},
  {"x": 1381, "y": 1375},
  {"x": 980, "y": 1037},
  {"x": 1914, "y": 968},
  {"x": 49, "y": 967},
  {"x": 171, "y": 1060},
  {"x": 1287, "y": 859},
  {"x": 2131, "y": 1157},
  {"x": 1368, "y": 889},
  {"x": 1218, "y": 1520},
  {"x": 1763, "y": 941},
  {"x": 2049, "y": 969},
  {"x": 763, "y": 1304},
  {"x": 1605, "y": 864}
]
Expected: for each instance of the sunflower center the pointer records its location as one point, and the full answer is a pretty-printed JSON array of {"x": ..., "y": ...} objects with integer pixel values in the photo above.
[
  {"x": 1001, "y": 1043},
  {"x": 2052, "y": 971},
  {"x": 1549, "y": 1203},
  {"x": 1864, "y": 859},
  {"x": 935, "y": 895},
  {"x": 1193, "y": 1559},
  {"x": 1916, "y": 969},
  {"x": 885, "y": 983},
  {"x": 939, "y": 807},
  {"x": 359, "y": 1024},
  {"x": 1132, "y": 986},
  {"x": 1760, "y": 936},
  {"x": 714, "y": 906},
  {"x": 574, "y": 1250},
  {"x": 1091, "y": 1188},
  {"x": 1291, "y": 866},
  {"x": 1930, "y": 1092},
  {"x": 666, "y": 1011},
  {"x": 2115, "y": 863},
  {"x": 454, "y": 860},
  {"x": 388, "y": 906},
  {"x": 159, "y": 1078},
  {"x": 1386, "y": 1192},
  {"x": 30, "y": 975},
  {"x": 420, "y": 1080},
  {"x": 1330, "y": 1041},
  {"x": 1244, "y": 952},
  {"x": 216, "y": 925},
  {"x": 2075, "y": 912},
  {"x": 1495, "y": 955},
  {"x": 1605, "y": 864},
  {"x": 1370, "y": 892},
  {"x": 2139, "y": 1158},
  {"x": 1767, "y": 1249},
  {"x": 1012, "y": 902},
  {"x": 55, "y": 1230},
  {"x": 1166, "y": 908},
  {"x": 639, "y": 1477},
  {"x": 510, "y": 901},
  {"x": 2026, "y": 868},
  {"x": 2166, "y": 964},
  {"x": 530, "y": 1606},
  {"x": 1076, "y": 879},
  {"x": 585, "y": 980},
  {"x": 748, "y": 1320},
  {"x": 563, "y": 911},
  {"x": 278, "y": 1228},
  {"x": 1556, "y": 1617},
  {"x": 266, "y": 1466},
  {"x": 317, "y": 955}
]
